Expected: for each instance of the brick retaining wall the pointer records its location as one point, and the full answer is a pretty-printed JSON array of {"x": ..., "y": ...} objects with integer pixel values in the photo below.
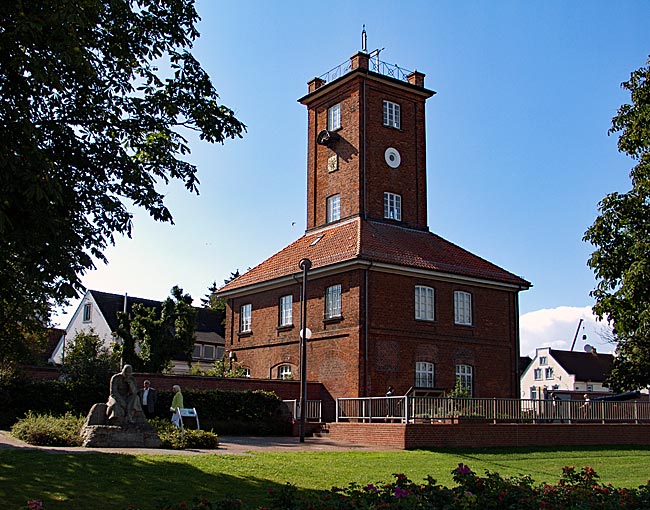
[{"x": 486, "y": 435}]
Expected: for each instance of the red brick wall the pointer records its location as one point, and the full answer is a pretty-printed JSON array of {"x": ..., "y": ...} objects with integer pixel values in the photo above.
[
  {"x": 408, "y": 181},
  {"x": 333, "y": 351},
  {"x": 398, "y": 340},
  {"x": 411, "y": 436}
]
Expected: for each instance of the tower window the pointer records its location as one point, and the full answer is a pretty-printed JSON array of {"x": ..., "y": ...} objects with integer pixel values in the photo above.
[
  {"x": 392, "y": 114},
  {"x": 463, "y": 308},
  {"x": 424, "y": 303},
  {"x": 333, "y": 208},
  {"x": 392, "y": 206},
  {"x": 334, "y": 117},
  {"x": 286, "y": 303},
  {"x": 245, "y": 318},
  {"x": 465, "y": 376},
  {"x": 333, "y": 301},
  {"x": 424, "y": 374}
]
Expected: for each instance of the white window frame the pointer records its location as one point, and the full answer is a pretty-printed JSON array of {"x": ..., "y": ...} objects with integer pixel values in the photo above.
[
  {"x": 87, "y": 314},
  {"x": 392, "y": 114},
  {"x": 533, "y": 393},
  {"x": 245, "y": 318},
  {"x": 462, "y": 308},
  {"x": 537, "y": 374},
  {"x": 196, "y": 353},
  {"x": 425, "y": 374},
  {"x": 548, "y": 373},
  {"x": 206, "y": 352},
  {"x": 334, "y": 117},
  {"x": 465, "y": 373},
  {"x": 392, "y": 206},
  {"x": 286, "y": 315},
  {"x": 543, "y": 360},
  {"x": 333, "y": 208},
  {"x": 285, "y": 372},
  {"x": 247, "y": 372},
  {"x": 333, "y": 301},
  {"x": 424, "y": 303}
]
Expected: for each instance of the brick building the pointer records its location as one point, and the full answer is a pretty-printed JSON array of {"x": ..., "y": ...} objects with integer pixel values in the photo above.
[{"x": 388, "y": 302}]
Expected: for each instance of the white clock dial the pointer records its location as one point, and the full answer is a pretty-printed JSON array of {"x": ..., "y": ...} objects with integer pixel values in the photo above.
[{"x": 393, "y": 159}]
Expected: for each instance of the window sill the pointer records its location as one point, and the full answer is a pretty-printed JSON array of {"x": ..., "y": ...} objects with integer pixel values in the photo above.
[
  {"x": 243, "y": 334},
  {"x": 332, "y": 320},
  {"x": 463, "y": 325},
  {"x": 286, "y": 327},
  {"x": 425, "y": 321}
]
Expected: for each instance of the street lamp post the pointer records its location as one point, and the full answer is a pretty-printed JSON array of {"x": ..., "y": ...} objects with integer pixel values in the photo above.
[{"x": 305, "y": 265}]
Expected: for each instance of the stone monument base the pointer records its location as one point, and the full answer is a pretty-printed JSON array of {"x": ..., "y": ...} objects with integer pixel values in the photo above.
[
  {"x": 97, "y": 433},
  {"x": 110, "y": 436}
]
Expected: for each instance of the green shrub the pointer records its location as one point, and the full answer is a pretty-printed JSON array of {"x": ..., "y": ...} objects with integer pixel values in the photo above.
[
  {"x": 47, "y": 430},
  {"x": 232, "y": 412},
  {"x": 175, "y": 439}
]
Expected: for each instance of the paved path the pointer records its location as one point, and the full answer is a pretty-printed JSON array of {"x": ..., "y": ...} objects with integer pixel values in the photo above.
[{"x": 228, "y": 445}]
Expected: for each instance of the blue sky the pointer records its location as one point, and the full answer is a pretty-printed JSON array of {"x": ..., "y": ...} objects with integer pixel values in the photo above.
[{"x": 518, "y": 151}]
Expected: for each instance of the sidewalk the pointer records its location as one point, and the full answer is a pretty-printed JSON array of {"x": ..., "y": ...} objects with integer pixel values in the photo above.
[{"x": 228, "y": 445}]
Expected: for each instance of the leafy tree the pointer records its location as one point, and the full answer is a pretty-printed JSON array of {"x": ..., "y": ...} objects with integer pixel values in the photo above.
[
  {"x": 621, "y": 236},
  {"x": 216, "y": 303},
  {"x": 89, "y": 126},
  {"x": 221, "y": 368},
  {"x": 160, "y": 334},
  {"x": 88, "y": 361}
]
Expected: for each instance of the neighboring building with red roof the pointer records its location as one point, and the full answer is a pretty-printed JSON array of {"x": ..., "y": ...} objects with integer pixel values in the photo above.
[{"x": 388, "y": 302}]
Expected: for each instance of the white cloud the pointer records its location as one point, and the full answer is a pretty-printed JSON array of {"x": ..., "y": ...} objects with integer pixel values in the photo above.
[{"x": 556, "y": 327}]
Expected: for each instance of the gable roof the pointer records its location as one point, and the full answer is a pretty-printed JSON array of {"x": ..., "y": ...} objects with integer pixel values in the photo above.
[
  {"x": 372, "y": 241},
  {"x": 109, "y": 304},
  {"x": 585, "y": 366}
]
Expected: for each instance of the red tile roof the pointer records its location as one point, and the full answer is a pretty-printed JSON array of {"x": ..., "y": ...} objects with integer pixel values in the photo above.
[{"x": 357, "y": 239}]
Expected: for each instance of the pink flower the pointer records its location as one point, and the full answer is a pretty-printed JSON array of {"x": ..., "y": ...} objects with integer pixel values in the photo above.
[
  {"x": 35, "y": 504},
  {"x": 401, "y": 493},
  {"x": 462, "y": 469}
]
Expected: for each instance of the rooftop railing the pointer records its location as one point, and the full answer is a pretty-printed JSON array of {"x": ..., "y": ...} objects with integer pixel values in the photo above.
[
  {"x": 374, "y": 64},
  {"x": 497, "y": 410}
]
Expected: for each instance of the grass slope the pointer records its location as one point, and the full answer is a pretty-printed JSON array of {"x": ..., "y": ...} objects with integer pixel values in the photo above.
[{"x": 113, "y": 481}]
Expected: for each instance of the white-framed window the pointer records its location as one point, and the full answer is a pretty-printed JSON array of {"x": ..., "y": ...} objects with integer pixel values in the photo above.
[
  {"x": 392, "y": 206},
  {"x": 424, "y": 374},
  {"x": 197, "y": 351},
  {"x": 333, "y": 208},
  {"x": 333, "y": 301},
  {"x": 462, "y": 307},
  {"x": 208, "y": 351},
  {"x": 247, "y": 372},
  {"x": 285, "y": 372},
  {"x": 543, "y": 360},
  {"x": 391, "y": 114},
  {"x": 286, "y": 303},
  {"x": 424, "y": 303},
  {"x": 465, "y": 374},
  {"x": 88, "y": 312},
  {"x": 533, "y": 393},
  {"x": 334, "y": 117},
  {"x": 245, "y": 314},
  {"x": 537, "y": 374}
]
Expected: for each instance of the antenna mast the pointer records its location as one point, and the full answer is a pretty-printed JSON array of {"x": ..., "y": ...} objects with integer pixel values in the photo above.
[
  {"x": 576, "y": 335},
  {"x": 364, "y": 40}
]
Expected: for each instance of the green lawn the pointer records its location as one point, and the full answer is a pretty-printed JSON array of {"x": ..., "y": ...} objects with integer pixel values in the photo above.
[{"x": 110, "y": 481}]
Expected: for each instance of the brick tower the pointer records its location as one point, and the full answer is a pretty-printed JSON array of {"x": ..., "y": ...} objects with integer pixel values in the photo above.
[{"x": 389, "y": 302}]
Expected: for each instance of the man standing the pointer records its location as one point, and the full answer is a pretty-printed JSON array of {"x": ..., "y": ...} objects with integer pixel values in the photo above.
[{"x": 148, "y": 397}]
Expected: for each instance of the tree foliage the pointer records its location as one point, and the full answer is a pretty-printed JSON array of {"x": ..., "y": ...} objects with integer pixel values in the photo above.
[
  {"x": 621, "y": 236},
  {"x": 97, "y": 98},
  {"x": 159, "y": 335},
  {"x": 87, "y": 361}
]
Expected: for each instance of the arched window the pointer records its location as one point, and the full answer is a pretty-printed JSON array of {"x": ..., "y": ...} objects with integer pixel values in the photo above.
[
  {"x": 465, "y": 376},
  {"x": 424, "y": 374}
]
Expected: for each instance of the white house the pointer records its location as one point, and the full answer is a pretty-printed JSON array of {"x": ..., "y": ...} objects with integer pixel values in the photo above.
[
  {"x": 552, "y": 369},
  {"x": 97, "y": 311}
]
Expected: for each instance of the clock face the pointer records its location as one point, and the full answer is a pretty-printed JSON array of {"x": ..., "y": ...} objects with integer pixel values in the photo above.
[{"x": 393, "y": 159}]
